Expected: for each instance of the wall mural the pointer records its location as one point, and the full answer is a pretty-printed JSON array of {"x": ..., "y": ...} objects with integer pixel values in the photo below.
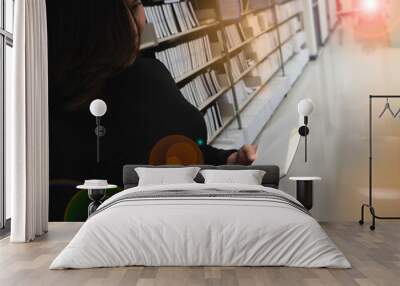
[{"x": 94, "y": 54}]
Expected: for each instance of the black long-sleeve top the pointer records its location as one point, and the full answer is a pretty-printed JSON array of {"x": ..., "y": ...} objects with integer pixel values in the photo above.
[{"x": 144, "y": 106}]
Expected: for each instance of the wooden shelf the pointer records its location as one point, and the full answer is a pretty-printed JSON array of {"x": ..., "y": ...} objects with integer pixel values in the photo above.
[
  {"x": 281, "y": 2},
  {"x": 289, "y": 58},
  {"x": 245, "y": 13},
  {"x": 213, "y": 98},
  {"x": 290, "y": 37},
  {"x": 268, "y": 55},
  {"x": 246, "y": 103},
  {"x": 221, "y": 129},
  {"x": 232, "y": 50},
  {"x": 248, "y": 12},
  {"x": 229, "y": 53},
  {"x": 148, "y": 46},
  {"x": 249, "y": 40},
  {"x": 178, "y": 36},
  {"x": 242, "y": 44},
  {"x": 289, "y": 18},
  {"x": 257, "y": 91},
  {"x": 244, "y": 73},
  {"x": 247, "y": 71},
  {"x": 269, "y": 29},
  {"x": 199, "y": 69}
]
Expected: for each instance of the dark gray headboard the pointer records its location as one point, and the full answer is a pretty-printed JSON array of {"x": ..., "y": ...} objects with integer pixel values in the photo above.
[{"x": 271, "y": 178}]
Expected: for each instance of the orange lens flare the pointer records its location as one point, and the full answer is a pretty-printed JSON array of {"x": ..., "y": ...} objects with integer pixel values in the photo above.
[{"x": 176, "y": 150}]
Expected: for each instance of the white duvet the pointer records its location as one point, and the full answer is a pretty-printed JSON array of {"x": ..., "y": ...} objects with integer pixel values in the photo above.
[{"x": 202, "y": 232}]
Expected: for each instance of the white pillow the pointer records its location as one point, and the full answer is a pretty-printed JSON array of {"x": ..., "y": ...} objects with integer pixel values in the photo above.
[
  {"x": 166, "y": 176},
  {"x": 247, "y": 177}
]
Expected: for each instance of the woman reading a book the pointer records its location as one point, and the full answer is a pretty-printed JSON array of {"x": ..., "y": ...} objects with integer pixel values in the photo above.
[{"x": 94, "y": 53}]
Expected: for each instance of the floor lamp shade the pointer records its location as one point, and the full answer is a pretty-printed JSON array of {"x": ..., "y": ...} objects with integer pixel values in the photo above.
[
  {"x": 98, "y": 108},
  {"x": 305, "y": 107}
]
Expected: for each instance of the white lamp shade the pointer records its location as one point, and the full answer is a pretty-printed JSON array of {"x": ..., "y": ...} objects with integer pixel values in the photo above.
[
  {"x": 98, "y": 108},
  {"x": 305, "y": 107}
]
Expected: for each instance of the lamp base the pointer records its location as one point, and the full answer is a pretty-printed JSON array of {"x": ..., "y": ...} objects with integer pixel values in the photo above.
[
  {"x": 96, "y": 197},
  {"x": 100, "y": 131},
  {"x": 304, "y": 130}
]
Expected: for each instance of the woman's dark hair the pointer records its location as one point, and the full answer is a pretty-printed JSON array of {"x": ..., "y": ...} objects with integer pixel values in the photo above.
[{"x": 89, "y": 41}]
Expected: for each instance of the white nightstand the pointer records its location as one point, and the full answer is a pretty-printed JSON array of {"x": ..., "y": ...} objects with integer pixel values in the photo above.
[
  {"x": 304, "y": 190},
  {"x": 96, "y": 194}
]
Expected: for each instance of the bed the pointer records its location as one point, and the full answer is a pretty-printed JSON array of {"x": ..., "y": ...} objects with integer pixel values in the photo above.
[{"x": 197, "y": 224}]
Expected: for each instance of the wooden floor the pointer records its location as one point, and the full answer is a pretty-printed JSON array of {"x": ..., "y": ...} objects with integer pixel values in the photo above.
[{"x": 375, "y": 257}]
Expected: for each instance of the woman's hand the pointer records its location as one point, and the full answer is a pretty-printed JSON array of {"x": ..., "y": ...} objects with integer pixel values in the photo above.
[{"x": 244, "y": 156}]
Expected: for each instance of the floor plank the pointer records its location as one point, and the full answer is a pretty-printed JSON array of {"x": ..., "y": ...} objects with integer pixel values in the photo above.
[{"x": 375, "y": 257}]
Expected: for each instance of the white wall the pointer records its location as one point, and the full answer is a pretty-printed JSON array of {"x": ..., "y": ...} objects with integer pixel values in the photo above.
[
  {"x": 325, "y": 25},
  {"x": 9, "y": 90},
  {"x": 332, "y": 11},
  {"x": 394, "y": 22},
  {"x": 310, "y": 27},
  {"x": 323, "y": 18},
  {"x": 347, "y": 5}
]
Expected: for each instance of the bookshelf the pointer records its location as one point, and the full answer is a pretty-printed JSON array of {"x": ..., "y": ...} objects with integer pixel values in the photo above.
[
  {"x": 199, "y": 69},
  {"x": 192, "y": 31},
  {"x": 245, "y": 55}
]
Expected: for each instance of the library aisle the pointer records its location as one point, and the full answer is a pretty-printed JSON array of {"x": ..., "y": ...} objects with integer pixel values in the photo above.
[{"x": 351, "y": 66}]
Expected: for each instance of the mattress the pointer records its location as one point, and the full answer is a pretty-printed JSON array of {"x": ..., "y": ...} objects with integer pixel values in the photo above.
[{"x": 201, "y": 225}]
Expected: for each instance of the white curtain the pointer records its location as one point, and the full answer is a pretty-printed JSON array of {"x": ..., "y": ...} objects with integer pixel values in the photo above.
[{"x": 27, "y": 124}]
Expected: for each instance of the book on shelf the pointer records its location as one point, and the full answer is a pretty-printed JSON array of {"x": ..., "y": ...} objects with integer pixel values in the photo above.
[
  {"x": 234, "y": 35},
  {"x": 180, "y": 17},
  {"x": 289, "y": 29},
  {"x": 299, "y": 41},
  {"x": 251, "y": 23},
  {"x": 189, "y": 14},
  {"x": 287, "y": 51},
  {"x": 288, "y": 9},
  {"x": 239, "y": 64},
  {"x": 201, "y": 88},
  {"x": 266, "y": 19},
  {"x": 269, "y": 66},
  {"x": 259, "y": 4},
  {"x": 229, "y": 9},
  {"x": 206, "y": 16},
  {"x": 184, "y": 58},
  {"x": 264, "y": 44},
  {"x": 171, "y": 18},
  {"x": 243, "y": 91},
  {"x": 213, "y": 119}
]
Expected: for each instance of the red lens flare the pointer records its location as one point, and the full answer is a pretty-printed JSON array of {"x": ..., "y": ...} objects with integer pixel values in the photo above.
[
  {"x": 370, "y": 6},
  {"x": 371, "y": 21}
]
